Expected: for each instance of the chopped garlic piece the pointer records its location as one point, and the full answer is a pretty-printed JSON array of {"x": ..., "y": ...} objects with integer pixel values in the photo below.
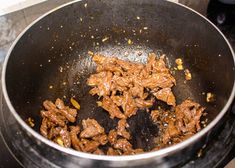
[
  {"x": 30, "y": 121},
  {"x": 90, "y": 53},
  {"x": 105, "y": 39},
  {"x": 179, "y": 61},
  {"x": 75, "y": 103},
  {"x": 129, "y": 42},
  {"x": 188, "y": 75},
  {"x": 99, "y": 103},
  {"x": 180, "y": 67},
  {"x": 210, "y": 97},
  {"x": 59, "y": 141}
]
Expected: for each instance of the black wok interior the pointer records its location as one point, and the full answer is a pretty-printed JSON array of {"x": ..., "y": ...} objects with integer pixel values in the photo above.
[{"x": 50, "y": 60}]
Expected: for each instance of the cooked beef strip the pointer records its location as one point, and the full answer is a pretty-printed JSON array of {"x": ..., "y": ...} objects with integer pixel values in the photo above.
[
  {"x": 121, "y": 129},
  {"x": 98, "y": 152},
  {"x": 129, "y": 105},
  {"x": 155, "y": 115},
  {"x": 91, "y": 128},
  {"x": 124, "y": 87},
  {"x": 59, "y": 104},
  {"x": 140, "y": 103},
  {"x": 112, "y": 108},
  {"x": 133, "y": 152},
  {"x": 123, "y": 145},
  {"x": 64, "y": 134},
  {"x": 112, "y": 137},
  {"x": 54, "y": 132},
  {"x": 53, "y": 117},
  {"x": 74, "y": 131},
  {"x": 165, "y": 95},
  {"x": 44, "y": 127},
  {"x": 49, "y": 105},
  {"x": 88, "y": 145},
  {"x": 188, "y": 115},
  {"x": 130, "y": 80},
  {"x": 103, "y": 81},
  {"x": 178, "y": 125},
  {"x": 113, "y": 152},
  {"x": 162, "y": 80},
  {"x": 102, "y": 139}
]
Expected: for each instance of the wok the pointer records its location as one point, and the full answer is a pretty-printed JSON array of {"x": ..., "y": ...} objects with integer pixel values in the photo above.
[{"x": 50, "y": 60}]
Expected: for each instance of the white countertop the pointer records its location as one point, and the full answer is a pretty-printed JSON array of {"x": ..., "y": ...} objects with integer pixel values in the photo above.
[{"x": 8, "y": 6}]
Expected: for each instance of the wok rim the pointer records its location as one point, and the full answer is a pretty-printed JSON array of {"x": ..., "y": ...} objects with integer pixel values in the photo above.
[{"x": 159, "y": 153}]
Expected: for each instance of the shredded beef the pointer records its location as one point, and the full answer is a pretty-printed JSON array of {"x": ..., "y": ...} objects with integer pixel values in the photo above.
[
  {"x": 123, "y": 88},
  {"x": 121, "y": 129},
  {"x": 91, "y": 128}
]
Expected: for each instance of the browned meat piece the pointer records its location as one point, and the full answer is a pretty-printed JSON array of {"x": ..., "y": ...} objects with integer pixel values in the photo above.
[
  {"x": 129, "y": 105},
  {"x": 133, "y": 152},
  {"x": 138, "y": 91},
  {"x": 75, "y": 130},
  {"x": 113, "y": 152},
  {"x": 98, "y": 152},
  {"x": 94, "y": 91},
  {"x": 122, "y": 81},
  {"x": 58, "y": 108},
  {"x": 155, "y": 115},
  {"x": 54, "y": 132},
  {"x": 143, "y": 103},
  {"x": 44, "y": 128},
  {"x": 66, "y": 113},
  {"x": 59, "y": 104},
  {"x": 185, "y": 123},
  {"x": 53, "y": 117},
  {"x": 188, "y": 115},
  {"x": 102, "y": 81},
  {"x": 129, "y": 80},
  {"x": 165, "y": 95},
  {"x": 112, "y": 108},
  {"x": 117, "y": 100},
  {"x": 91, "y": 128},
  {"x": 109, "y": 67},
  {"x": 123, "y": 87},
  {"x": 49, "y": 105},
  {"x": 162, "y": 80},
  {"x": 156, "y": 65},
  {"x": 88, "y": 146},
  {"x": 102, "y": 139},
  {"x": 170, "y": 132},
  {"x": 112, "y": 137},
  {"x": 121, "y": 129},
  {"x": 126, "y": 65},
  {"x": 123, "y": 145},
  {"x": 100, "y": 59},
  {"x": 64, "y": 134}
]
